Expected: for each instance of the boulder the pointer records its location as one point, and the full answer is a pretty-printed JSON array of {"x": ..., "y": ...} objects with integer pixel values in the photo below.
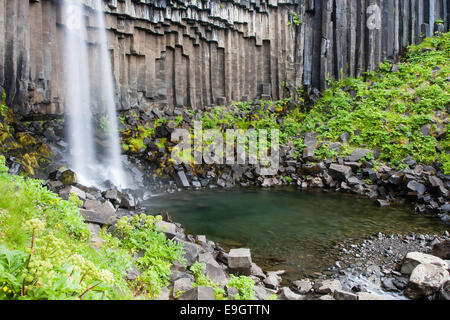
[
  {"x": 128, "y": 201},
  {"x": 287, "y": 294},
  {"x": 98, "y": 217},
  {"x": 344, "y": 295},
  {"x": 416, "y": 187},
  {"x": 68, "y": 177},
  {"x": 104, "y": 207},
  {"x": 339, "y": 172},
  {"x": 257, "y": 271},
  {"x": 327, "y": 286},
  {"x": 413, "y": 259},
  {"x": 198, "y": 293},
  {"x": 164, "y": 295},
  {"x": 65, "y": 193},
  {"x": 358, "y": 154},
  {"x": 181, "y": 285},
  {"x": 272, "y": 281},
  {"x": 113, "y": 195},
  {"x": 132, "y": 274},
  {"x": 169, "y": 229},
  {"x": 442, "y": 250},
  {"x": 326, "y": 297},
  {"x": 262, "y": 293},
  {"x": 240, "y": 261},
  {"x": 207, "y": 257},
  {"x": 425, "y": 280},
  {"x": 302, "y": 286},
  {"x": 191, "y": 251},
  {"x": 181, "y": 179},
  {"x": 311, "y": 142},
  {"x": 232, "y": 292},
  {"x": 216, "y": 274}
]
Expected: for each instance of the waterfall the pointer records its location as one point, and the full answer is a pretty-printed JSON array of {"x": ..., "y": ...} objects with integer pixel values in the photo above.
[{"x": 93, "y": 165}]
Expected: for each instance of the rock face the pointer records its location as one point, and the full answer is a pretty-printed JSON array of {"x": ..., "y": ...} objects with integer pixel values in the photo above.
[
  {"x": 221, "y": 51},
  {"x": 425, "y": 280}
]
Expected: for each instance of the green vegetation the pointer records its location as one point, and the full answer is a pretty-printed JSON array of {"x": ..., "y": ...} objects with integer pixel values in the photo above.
[
  {"x": 295, "y": 19},
  {"x": 45, "y": 251}
]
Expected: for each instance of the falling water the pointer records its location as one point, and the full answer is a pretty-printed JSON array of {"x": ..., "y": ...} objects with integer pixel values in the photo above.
[{"x": 90, "y": 168}]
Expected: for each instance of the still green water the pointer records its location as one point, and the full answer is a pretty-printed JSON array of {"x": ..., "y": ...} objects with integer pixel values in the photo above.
[{"x": 287, "y": 228}]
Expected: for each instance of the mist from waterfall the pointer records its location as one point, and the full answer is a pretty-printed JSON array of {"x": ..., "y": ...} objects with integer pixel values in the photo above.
[{"x": 92, "y": 168}]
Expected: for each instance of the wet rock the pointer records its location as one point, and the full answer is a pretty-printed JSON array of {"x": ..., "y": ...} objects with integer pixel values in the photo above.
[
  {"x": 413, "y": 259},
  {"x": 257, "y": 271},
  {"x": 383, "y": 203},
  {"x": 388, "y": 285},
  {"x": 442, "y": 250},
  {"x": 287, "y": 294},
  {"x": 112, "y": 195},
  {"x": 198, "y": 293},
  {"x": 339, "y": 172},
  {"x": 261, "y": 293},
  {"x": 358, "y": 154},
  {"x": 272, "y": 281},
  {"x": 369, "y": 296},
  {"x": 327, "y": 286},
  {"x": 302, "y": 286},
  {"x": 444, "y": 293},
  {"x": 240, "y": 261},
  {"x": 400, "y": 283},
  {"x": 181, "y": 180},
  {"x": 416, "y": 187},
  {"x": 68, "y": 177},
  {"x": 181, "y": 285},
  {"x": 344, "y": 295},
  {"x": 316, "y": 183},
  {"x": 425, "y": 280},
  {"x": 128, "y": 201}
]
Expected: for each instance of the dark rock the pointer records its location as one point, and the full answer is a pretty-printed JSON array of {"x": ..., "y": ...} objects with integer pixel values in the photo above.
[
  {"x": 181, "y": 179},
  {"x": 181, "y": 285},
  {"x": 311, "y": 142},
  {"x": 339, "y": 172},
  {"x": 191, "y": 251},
  {"x": 198, "y": 293},
  {"x": 68, "y": 177},
  {"x": 442, "y": 250},
  {"x": 240, "y": 261},
  {"x": 383, "y": 203},
  {"x": 358, "y": 154},
  {"x": 128, "y": 201},
  {"x": 98, "y": 217},
  {"x": 416, "y": 187}
]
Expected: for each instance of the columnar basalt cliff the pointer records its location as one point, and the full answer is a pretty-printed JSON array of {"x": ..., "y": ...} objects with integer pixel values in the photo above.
[{"x": 197, "y": 53}]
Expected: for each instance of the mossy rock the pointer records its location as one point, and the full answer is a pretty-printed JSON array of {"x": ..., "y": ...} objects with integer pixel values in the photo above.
[
  {"x": 25, "y": 139},
  {"x": 68, "y": 177}
]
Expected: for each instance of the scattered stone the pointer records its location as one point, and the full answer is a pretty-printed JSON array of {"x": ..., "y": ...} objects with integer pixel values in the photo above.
[
  {"x": 181, "y": 285},
  {"x": 344, "y": 295},
  {"x": 425, "y": 280},
  {"x": 358, "y": 154},
  {"x": 303, "y": 286},
  {"x": 272, "y": 281},
  {"x": 311, "y": 142},
  {"x": 112, "y": 195},
  {"x": 198, "y": 293},
  {"x": 165, "y": 294},
  {"x": 98, "y": 217},
  {"x": 257, "y": 271},
  {"x": 181, "y": 180},
  {"x": 339, "y": 172},
  {"x": 207, "y": 257},
  {"x": 68, "y": 177},
  {"x": 128, "y": 201},
  {"x": 413, "y": 259},
  {"x": 65, "y": 193},
  {"x": 287, "y": 294},
  {"x": 327, "y": 286},
  {"x": 416, "y": 187},
  {"x": 216, "y": 274},
  {"x": 442, "y": 250},
  {"x": 326, "y": 297},
  {"x": 232, "y": 292},
  {"x": 169, "y": 229},
  {"x": 132, "y": 274},
  {"x": 261, "y": 293},
  {"x": 191, "y": 251},
  {"x": 240, "y": 261},
  {"x": 383, "y": 203}
]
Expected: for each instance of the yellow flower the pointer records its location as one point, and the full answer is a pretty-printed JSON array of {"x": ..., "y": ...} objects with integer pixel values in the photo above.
[
  {"x": 59, "y": 226},
  {"x": 5, "y": 288}
]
